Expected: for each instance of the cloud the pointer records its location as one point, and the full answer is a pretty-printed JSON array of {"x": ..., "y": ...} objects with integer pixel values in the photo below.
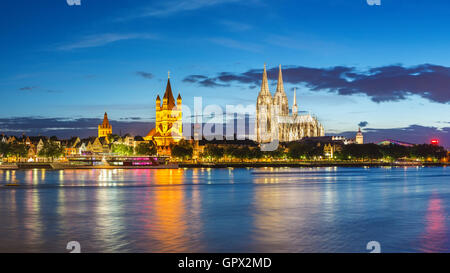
[
  {"x": 416, "y": 134},
  {"x": 131, "y": 118},
  {"x": 381, "y": 84},
  {"x": 145, "y": 75},
  {"x": 28, "y": 88},
  {"x": 65, "y": 128},
  {"x": 103, "y": 39},
  {"x": 203, "y": 81},
  {"x": 37, "y": 89},
  {"x": 194, "y": 78},
  {"x": 363, "y": 124}
]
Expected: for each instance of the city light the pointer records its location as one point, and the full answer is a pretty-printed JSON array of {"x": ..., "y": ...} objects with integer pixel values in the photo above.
[{"x": 434, "y": 142}]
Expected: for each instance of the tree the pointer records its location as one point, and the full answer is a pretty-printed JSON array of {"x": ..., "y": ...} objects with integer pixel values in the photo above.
[
  {"x": 18, "y": 150},
  {"x": 182, "y": 149},
  {"x": 308, "y": 150},
  {"x": 113, "y": 137},
  {"x": 241, "y": 153},
  {"x": 297, "y": 150},
  {"x": 147, "y": 148},
  {"x": 213, "y": 151},
  {"x": 256, "y": 153},
  {"x": 5, "y": 149},
  {"x": 122, "y": 149},
  {"x": 428, "y": 151},
  {"x": 51, "y": 149},
  {"x": 394, "y": 152}
]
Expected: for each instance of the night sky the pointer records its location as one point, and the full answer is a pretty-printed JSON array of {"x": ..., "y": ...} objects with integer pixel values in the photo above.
[{"x": 385, "y": 68}]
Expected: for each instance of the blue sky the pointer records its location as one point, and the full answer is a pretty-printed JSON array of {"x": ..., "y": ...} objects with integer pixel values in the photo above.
[{"x": 76, "y": 62}]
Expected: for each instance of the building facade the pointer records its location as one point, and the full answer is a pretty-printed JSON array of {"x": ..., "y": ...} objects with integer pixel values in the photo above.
[
  {"x": 168, "y": 126},
  {"x": 105, "y": 129},
  {"x": 273, "y": 120}
]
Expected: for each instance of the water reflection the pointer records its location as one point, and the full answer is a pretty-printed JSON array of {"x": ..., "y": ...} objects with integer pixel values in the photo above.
[
  {"x": 435, "y": 237},
  {"x": 225, "y": 210}
]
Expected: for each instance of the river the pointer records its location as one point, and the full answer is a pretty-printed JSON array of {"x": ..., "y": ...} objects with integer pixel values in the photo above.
[{"x": 226, "y": 210}]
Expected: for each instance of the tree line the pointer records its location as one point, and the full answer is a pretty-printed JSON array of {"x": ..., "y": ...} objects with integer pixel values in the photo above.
[
  {"x": 146, "y": 148},
  {"x": 312, "y": 151},
  {"x": 50, "y": 149}
]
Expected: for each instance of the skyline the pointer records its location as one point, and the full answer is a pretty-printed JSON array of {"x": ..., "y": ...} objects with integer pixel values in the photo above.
[{"x": 384, "y": 67}]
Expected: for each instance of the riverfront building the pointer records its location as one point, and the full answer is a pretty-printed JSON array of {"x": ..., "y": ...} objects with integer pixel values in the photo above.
[
  {"x": 105, "y": 129},
  {"x": 168, "y": 126}
]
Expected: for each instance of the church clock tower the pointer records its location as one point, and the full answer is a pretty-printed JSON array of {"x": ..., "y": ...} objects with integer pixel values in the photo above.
[{"x": 105, "y": 129}]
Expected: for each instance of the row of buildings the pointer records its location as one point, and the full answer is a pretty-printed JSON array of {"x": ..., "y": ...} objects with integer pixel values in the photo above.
[{"x": 72, "y": 147}]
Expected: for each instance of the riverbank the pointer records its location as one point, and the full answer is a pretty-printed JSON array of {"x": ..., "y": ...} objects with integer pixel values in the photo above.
[
  {"x": 304, "y": 164},
  {"x": 62, "y": 166}
]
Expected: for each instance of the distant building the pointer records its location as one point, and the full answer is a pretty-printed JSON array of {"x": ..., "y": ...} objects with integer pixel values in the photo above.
[
  {"x": 71, "y": 145},
  {"x": 168, "y": 127},
  {"x": 330, "y": 148},
  {"x": 394, "y": 142},
  {"x": 359, "y": 139},
  {"x": 105, "y": 129}
]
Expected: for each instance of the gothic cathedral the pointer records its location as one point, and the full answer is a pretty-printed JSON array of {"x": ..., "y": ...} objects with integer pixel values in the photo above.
[{"x": 273, "y": 120}]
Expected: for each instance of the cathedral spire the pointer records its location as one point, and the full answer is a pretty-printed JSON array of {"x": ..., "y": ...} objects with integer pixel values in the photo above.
[
  {"x": 294, "y": 106},
  {"x": 295, "y": 96},
  {"x": 105, "y": 123},
  {"x": 265, "y": 84},
  {"x": 280, "y": 87},
  {"x": 168, "y": 98}
]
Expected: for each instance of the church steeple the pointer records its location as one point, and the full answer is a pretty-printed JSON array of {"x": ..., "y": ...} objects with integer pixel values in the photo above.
[
  {"x": 264, "y": 128},
  {"x": 280, "y": 87},
  {"x": 105, "y": 123},
  {"x": 104, "y": 129},
  {"x": 168, "y": 98},
  {"x": 294, "y": 105},
  {"x": 280, "y": 99},
  {"x": 265, "y": 84}
]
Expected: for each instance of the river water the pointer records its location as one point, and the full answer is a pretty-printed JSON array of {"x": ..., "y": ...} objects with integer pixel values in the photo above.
[{"x": 226, "y": 210}]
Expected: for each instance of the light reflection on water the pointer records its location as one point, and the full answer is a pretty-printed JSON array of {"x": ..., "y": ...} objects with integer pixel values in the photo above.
[{"x": 226, "y": 210}]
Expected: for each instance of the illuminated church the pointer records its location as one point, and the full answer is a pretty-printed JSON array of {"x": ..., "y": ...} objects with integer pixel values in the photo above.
[
  {"x": 168, "y": 126},
  {"x": 104, "y": 129},
  {"x": 273, "y": 120}
]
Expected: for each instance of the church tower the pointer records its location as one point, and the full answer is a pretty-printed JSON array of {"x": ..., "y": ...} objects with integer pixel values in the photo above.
[
  {"x": 264, "y": 112},
  {"x": 105, "y": 129},
  {"x": 168, "y": 126},
  {"x": 359, "y": 137},
  {"x": 280, "y": 101}
]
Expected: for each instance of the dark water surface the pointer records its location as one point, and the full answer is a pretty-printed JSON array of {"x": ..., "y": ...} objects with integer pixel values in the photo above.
[{"x": 227, "y": 210}]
